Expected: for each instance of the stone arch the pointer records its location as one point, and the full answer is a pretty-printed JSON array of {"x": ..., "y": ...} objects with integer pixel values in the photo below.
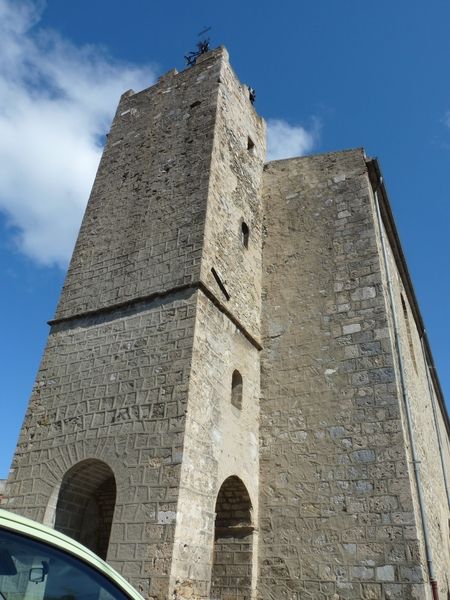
[
  {"x": 85, "y": 506},
  {"x": 231, "y": 577}
]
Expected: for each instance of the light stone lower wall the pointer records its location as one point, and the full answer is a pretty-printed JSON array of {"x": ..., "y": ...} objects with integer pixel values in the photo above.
[
  {"x": 425, "y": 422},
  {"x": 114, "y": 387},
  {"x": 220, "y": 441},
  {"x": 336, "y": 511}
]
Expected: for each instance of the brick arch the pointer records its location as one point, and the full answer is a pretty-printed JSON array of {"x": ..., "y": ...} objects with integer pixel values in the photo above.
[
  {"x": 231, "y": 576},
  {"x": 86, "y": 502}
]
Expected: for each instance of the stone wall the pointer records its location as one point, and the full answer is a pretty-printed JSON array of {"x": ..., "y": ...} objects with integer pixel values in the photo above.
[
  {"x": 220, "y": 441},
  {"x": 232, "y": 573},
  {"x": 427, "y": 419},
  {"x": 234, "y": 199},
  {"x": 121, "y": 370},
  {"x": 114, "y": 387},
  {"x": 113, "y": 384},
  {"x": 143, "y": 228},
  {"x": 336, "y": 508}
]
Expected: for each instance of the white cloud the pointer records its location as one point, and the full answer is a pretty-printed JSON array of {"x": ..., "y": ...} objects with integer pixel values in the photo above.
[
  {"x": 285, "y": 140},
  {"x": 56, "y": 103}
]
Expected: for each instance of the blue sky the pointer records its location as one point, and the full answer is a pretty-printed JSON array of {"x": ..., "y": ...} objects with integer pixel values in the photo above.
[{"x": 329, "y": 75}]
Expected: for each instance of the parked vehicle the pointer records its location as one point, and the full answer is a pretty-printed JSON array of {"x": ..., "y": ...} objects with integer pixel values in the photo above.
[{"x": 39, "y": 563}]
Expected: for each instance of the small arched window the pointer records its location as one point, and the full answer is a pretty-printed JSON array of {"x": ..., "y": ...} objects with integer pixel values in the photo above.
[
  {"x": 245, "y": 234},
  {"x": 236, "y": 389}
]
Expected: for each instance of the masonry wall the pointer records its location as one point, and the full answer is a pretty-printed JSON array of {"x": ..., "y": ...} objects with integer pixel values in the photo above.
[
  {"x": 221, "y": 440},
  {"x": 336, "y": 509},
  {"x": 113, "y": 384},
  {"x": 114, "y": 388},
  {"x": 429, "y": 426},
  {"x": 143, "y": 228},
  {"x": 121, "y": 369},
  {"x": 234, "y": 198}
]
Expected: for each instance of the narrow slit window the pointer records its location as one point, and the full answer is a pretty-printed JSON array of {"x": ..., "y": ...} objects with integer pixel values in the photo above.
[
  {"x": 245, "y": 234},
  {"x": 250, "y": 145},
  {"x": 236, "y": 390},
  {"x": 408, "y": 333},
  {"x": 220, "y": 283}
]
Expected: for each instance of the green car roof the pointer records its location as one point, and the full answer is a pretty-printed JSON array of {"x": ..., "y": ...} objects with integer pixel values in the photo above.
[{"x": 32, "y": 529}]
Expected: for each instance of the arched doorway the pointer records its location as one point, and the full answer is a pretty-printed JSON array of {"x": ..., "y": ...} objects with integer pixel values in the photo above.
[
  {"x": 231, "y": 577},
  {"x": 85, "y": 506}
]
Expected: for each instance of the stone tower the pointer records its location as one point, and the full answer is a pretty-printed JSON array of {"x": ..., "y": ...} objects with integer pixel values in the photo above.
[{"x": 237, "y": 398}]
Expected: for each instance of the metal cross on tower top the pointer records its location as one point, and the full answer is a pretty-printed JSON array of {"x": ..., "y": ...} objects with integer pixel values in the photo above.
[{"x": 202, "y": 47}]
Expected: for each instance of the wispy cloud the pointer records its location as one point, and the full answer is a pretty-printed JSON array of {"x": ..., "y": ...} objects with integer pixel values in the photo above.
[
  {"x": 56, "y": 103},
  {"x": 285, "y": 140},
  {"x": 446, "y": 119}
]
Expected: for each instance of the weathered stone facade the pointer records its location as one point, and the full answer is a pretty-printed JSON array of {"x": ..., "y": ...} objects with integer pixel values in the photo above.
[
  {"x": 237, "y": 374},
  {"x": 336, "y": 477}
]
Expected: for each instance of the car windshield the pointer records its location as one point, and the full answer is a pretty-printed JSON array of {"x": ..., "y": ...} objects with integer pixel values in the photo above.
[{"x": 34, "y": 570}]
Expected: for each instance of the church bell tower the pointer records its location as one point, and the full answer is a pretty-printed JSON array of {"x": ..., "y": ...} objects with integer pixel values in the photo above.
[{"x": 141, "y": 435}]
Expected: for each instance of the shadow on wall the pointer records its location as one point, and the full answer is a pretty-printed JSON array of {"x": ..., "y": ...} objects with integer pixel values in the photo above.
[
  {"x": 233, "y": 543},
  {"x": 85, "y": 506}
]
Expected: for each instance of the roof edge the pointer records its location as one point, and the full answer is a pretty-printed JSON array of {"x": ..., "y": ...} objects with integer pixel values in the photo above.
[{"x": 377, "y": 182}]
